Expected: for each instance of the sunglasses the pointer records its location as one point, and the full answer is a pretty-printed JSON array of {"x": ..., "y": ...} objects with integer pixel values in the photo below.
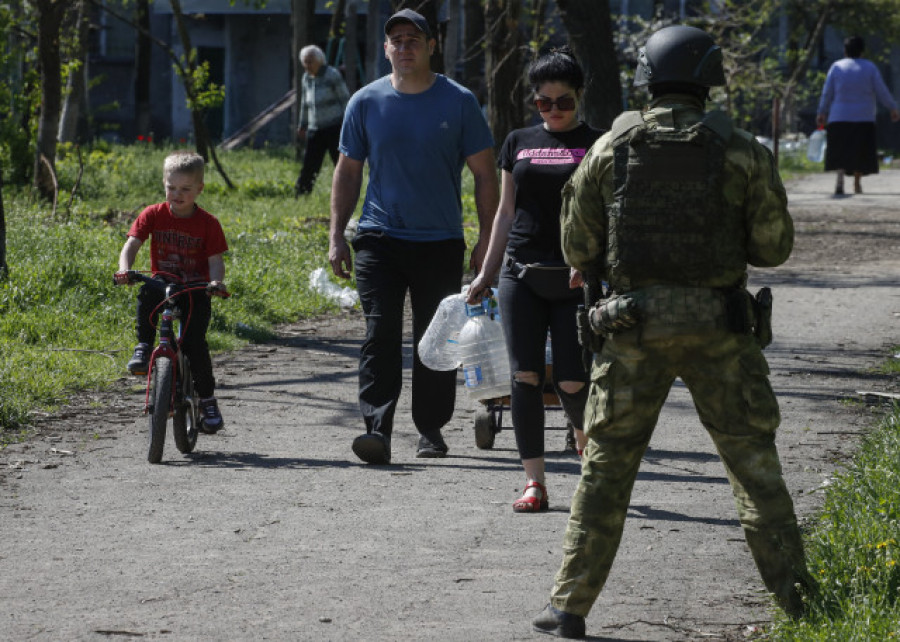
[{"x": 563, "y": 103}]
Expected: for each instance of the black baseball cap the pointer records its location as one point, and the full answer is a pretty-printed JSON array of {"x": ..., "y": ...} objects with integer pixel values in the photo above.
[{"x": 408, "y": 15}]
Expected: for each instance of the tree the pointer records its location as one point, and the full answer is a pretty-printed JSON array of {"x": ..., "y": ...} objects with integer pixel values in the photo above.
[
  {"x": 591, "y": 37},
  {"x": 76, "y": 72},
  {"x": 503, "y": 68},
  {"x": 473, "y": 42},
  {"x": 19, "y": 95},
  {"x": 302, "y": 16},
  {"x": 50, "y": 15},
  {"x": 142, "y": 53},
  {"x": 201, "y": 93}
]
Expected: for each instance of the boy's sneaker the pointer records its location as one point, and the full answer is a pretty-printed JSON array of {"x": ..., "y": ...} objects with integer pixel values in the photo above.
[
  {"x": 140, "y": 360},
  {"x": 211, "y": 420}
]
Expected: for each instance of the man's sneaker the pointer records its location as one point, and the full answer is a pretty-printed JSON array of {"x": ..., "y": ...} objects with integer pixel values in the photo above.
[
  {"x": 373, "y": 448},
  {"x": 432, "y": 445},
  {"x": 559, "y": 623},
  {"x": 211, "y": 420},
  {"x": 140, "y": 360}
]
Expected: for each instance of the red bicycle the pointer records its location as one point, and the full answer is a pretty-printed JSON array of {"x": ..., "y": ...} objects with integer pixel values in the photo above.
[{"x": 170, "y": 386}]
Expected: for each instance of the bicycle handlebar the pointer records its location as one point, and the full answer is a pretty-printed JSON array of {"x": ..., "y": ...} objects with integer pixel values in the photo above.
[{"x": 134, "y": 276}]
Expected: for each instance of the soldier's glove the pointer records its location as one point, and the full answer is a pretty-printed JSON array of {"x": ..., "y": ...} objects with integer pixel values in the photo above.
[{"x": 614, "y": 315}]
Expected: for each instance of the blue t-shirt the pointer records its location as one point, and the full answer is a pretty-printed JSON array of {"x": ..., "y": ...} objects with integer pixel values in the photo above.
[{"x": 416, "y": 146}]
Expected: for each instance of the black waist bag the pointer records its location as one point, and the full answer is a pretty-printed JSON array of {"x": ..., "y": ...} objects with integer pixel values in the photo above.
[{"x": 547, "y": 280}]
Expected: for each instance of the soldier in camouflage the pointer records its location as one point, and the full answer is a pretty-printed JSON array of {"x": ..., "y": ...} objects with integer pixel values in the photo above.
[{"x": 669, "y": 208}]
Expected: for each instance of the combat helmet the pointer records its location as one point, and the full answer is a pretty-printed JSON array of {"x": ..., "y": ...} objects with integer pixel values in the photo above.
[{"x": 680, "y": 54}]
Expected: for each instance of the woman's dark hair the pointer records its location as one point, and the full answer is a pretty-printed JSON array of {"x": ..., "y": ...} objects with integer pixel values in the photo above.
[
  {"x": 854, "y": 46},
  {"x": 559, "y": 65}
]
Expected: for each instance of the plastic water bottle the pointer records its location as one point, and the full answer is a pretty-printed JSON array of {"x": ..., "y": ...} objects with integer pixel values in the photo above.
[
  {"x": 439, "y": 346},
  {"x": 815, "y": 150},
  {"x": 485, "y": 362}
]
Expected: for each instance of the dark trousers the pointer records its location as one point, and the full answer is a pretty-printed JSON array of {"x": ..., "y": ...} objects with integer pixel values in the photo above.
[
  {"x": 526, "y": 318},
  {"x": 196, "y": 310},
  {"x": 318, "y": 142},
  {"x": 386, "y": 269}
]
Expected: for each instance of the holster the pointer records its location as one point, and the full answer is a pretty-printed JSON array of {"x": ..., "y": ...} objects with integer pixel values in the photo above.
[
  {"x": 749, "y": 314},
  {"x": 763, "y": 328},
  {"x": 591, "y": 342},
  {"x": 587, "y": 337}
]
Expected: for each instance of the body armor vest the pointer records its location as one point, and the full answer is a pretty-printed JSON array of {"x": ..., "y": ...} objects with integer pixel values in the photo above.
[{"x": 668, "y": 222}]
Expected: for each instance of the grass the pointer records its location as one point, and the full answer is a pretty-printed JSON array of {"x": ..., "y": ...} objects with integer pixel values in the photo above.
[
  {"x": 892, "y": 365},
  {"x": 65, "y": 327},
  {"x": 795, "y": 164},
  {"x": 854, "y": 549}
]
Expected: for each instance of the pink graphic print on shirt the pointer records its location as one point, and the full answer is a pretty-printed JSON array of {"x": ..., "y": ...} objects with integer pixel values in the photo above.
[{"x": 552, "y": 156}]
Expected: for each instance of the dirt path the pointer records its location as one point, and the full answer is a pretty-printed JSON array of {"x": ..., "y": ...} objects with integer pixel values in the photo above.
[{"x": 272, "y": 530}]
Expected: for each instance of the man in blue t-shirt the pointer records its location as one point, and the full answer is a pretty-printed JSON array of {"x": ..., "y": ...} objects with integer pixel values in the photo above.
[{"x": 417, "y": 130}]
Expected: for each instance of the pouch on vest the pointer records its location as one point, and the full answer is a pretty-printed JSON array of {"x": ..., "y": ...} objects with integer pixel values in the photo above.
[{"x": 615, "y": 314}]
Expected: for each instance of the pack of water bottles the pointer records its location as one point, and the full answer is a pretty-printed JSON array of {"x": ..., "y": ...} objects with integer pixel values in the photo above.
[{"x": 471, "y": 336}]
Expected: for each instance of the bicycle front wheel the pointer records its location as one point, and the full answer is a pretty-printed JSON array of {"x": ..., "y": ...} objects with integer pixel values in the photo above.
[
  {"x": 185, "y": 422},
  {"x": 161, "y": 400}
]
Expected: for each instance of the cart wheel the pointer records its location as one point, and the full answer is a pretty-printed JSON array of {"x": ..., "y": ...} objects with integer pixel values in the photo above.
[{"x": 485, "y": 429}]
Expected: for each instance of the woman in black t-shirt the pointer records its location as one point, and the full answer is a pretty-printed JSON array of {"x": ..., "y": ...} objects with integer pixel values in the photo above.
[{"x": 537, "y": 292}]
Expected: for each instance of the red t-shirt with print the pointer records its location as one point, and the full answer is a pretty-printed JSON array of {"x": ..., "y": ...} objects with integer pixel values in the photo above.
[{"x": 180, "y": 246}]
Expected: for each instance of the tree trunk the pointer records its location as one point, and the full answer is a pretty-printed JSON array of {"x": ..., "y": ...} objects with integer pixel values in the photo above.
[
  {"x": 375, "y": 34},
  {"x": 302, "y": 16},
  {"x": 451, "y": 43},
  {"x": 335, "y": 32},
  {"x": 76, "y": 84},
  {"x": 201, "y": 136},
  {"x": 50, "y": 15},
  {"x": 142, "y": 53},
  {"x": 4, "y": 268},
  {"x": 788, "y": 114},
  {"x": 590, "y": 35},
  {"x": 351, "y": 47},
  {"x": 505, "y": 88},
  {"x": 473, "y": 49},
  {"x": 538, "y": 28}
]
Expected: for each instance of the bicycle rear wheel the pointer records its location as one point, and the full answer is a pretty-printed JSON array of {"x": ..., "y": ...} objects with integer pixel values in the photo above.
[
  {"x": 161, "y": 400},
  {"x": 185, "y": 421}
]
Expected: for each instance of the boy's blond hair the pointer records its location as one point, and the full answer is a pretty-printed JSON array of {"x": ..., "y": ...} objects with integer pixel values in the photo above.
[{"x": 184, "y": 161}]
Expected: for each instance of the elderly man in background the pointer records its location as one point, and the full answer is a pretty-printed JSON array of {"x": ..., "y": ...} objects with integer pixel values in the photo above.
[{"x": 323, "y": 98}]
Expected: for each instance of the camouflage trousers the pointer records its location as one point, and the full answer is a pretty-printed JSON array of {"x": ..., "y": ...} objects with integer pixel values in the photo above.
[{"x": 727, "y": 376}]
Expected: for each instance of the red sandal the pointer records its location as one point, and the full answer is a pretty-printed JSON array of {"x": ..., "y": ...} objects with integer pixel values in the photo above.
[{"x": 529, "y": 504}]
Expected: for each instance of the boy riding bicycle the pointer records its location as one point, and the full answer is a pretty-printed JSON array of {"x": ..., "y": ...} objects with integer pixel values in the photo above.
[{"x": 187, "y": 244}]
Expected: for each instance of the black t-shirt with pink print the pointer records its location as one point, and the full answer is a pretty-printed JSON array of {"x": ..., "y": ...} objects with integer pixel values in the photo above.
[{"x": 541, "y": 162}]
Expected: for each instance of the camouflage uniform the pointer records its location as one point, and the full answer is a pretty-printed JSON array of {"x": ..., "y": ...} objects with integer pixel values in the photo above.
[{"x": 683, "y": 332}]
